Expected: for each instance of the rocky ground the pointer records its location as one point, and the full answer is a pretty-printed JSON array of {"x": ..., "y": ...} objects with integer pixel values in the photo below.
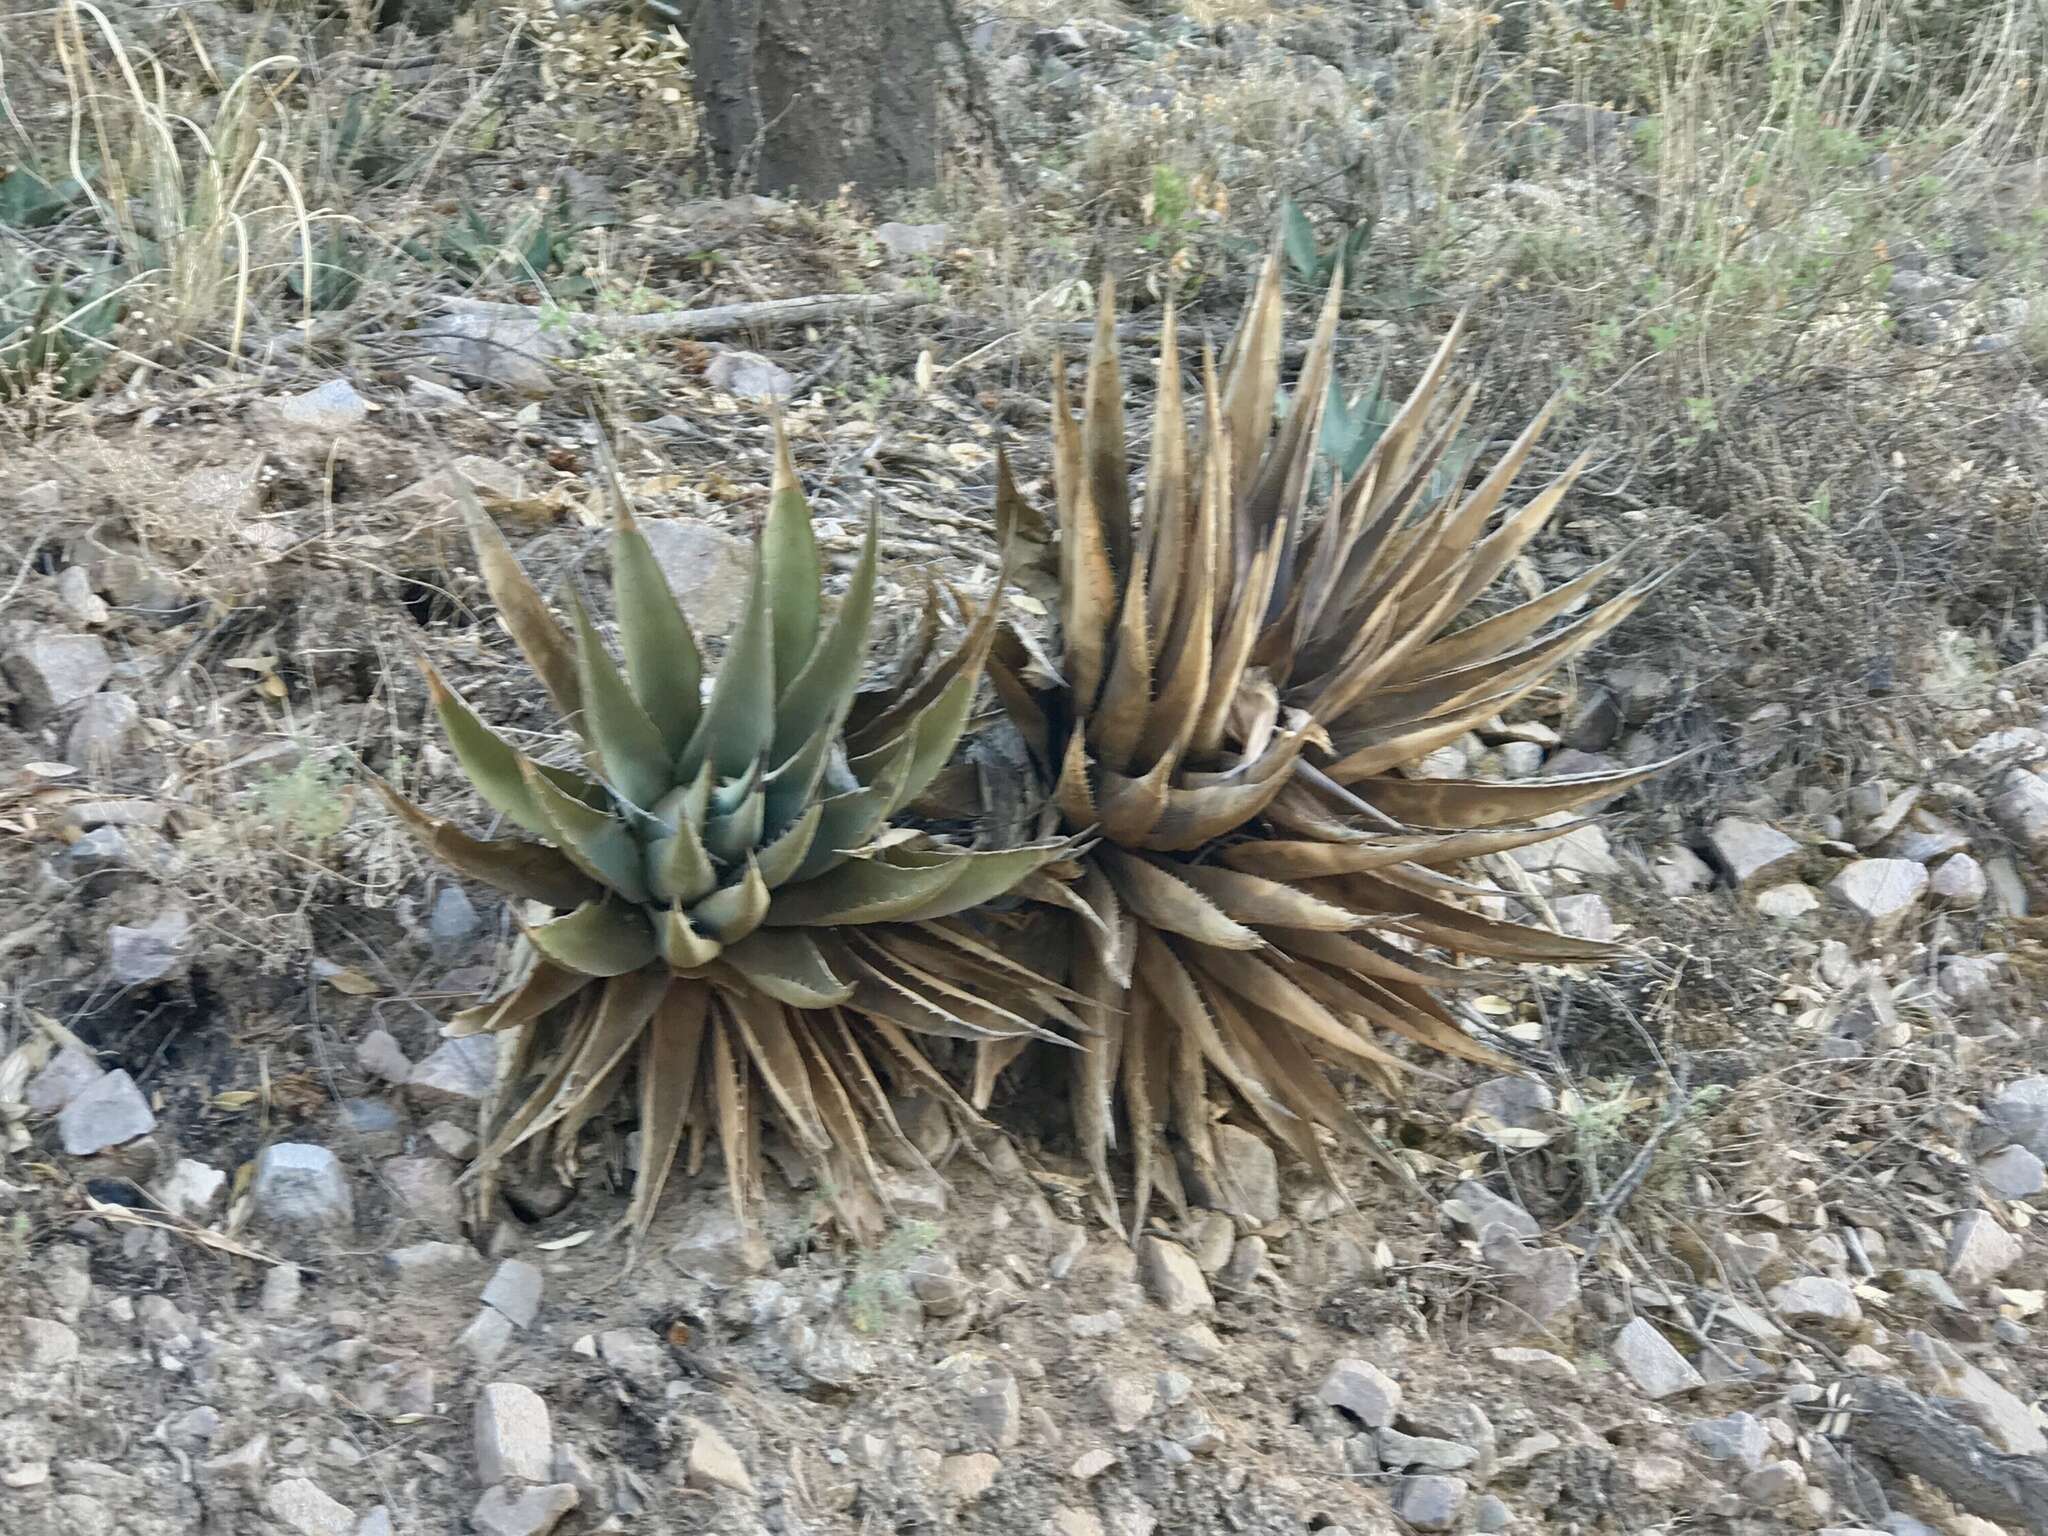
[{"x": 1751, "y": 1247}]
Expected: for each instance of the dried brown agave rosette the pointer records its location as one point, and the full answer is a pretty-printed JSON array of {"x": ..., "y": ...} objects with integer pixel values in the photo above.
[
  {"x": 1244, "y": 688},
  {"x": 743, "y": 934}
]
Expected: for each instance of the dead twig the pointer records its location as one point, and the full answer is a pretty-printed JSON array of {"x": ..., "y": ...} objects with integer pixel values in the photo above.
[{"x": 716, "y": 320}]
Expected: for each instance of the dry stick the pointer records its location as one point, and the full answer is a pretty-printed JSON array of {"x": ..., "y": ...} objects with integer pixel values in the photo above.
[
  {"x": 1922, "y": 1439},
  {"x": 718, "y": 320}
]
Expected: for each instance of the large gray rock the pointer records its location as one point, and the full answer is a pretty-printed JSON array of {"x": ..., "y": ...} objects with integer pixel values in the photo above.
[
  {"x": 515, "y": 1290},
  {"x": 510, "y": 348},
  {"x": 2020, "y": 807},
  {"x": 1979, "y": 1249},
  {"x": 712, "y": 1465},
  {"x": 301, "y": 1185},
  {"x": 460, "y": 1071},
  {"x": 1429, "y": 1503},
  {"x": 68, "y": 1074},
  {"x": 1657, "y": 1369},
  {"x": 1173, "y": 1277},
  {"x": 902, "y": 240},
  {"x": 2019, "y": 1113},
  {"x": 300, "y": 1505},
  {"x": 1959, "y": 881},
  {"x": 1247, "y": 1175},
  {"x": 750, "y": 376},
  {"x": 2013, "y": 1173},
  {"x": 1362, "y": 1390},
  {"x": 1752, "y": 851},
  {"x": 712, "y": 1245},
  {"x": 99, "y": 737},
  {"x": 138, "y": 955},
  {"x": 425, "y": 1190},
  {"x": 1880, "y": 891},
  {"x": 331, "y": 407},
  {"x": 1820, "y": 1299},
  {"x": 108, "y": 1113},
  {"x": 513, "y": 1436},
  {"x": 504, "y": 1511},
  {"x": 53, "y": 671}
]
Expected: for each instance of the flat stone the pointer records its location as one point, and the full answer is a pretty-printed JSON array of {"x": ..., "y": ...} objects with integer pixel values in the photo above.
[
  {"x": 2020, "y": 807},
  {"x": 301, "y": 1506},
  {"x": 1657, "y": 1369},
  {"x": 1883, "y": 891},
  {"x": 513, "y": 1438},
  {"x": 1198, "y": 1344},
  {"x": 2019, "y": 1112},
  {"x": 1475, "y": 1207},
  {"x": 2003, "y": 1415},
  {"x": 1680, "y": 871},
  {"x": 457, "y": 1141},
  {"x": 108, "y": 1113},
  {"x": 63, "y": 1078},
  {"x": 46, "y": 1345},
  {"x": 379, "y": 1054},
  {"x": 1752, "y": 851},
  {"x": 1399, "y": 1452},
  {"x": 515, "y": 1290},
  {"x": 453, "y": 916},
  {"x": 1429, "y": 1503},
  {"x": 1362, "y": 1390},
  {"x": 707, "y": 569},
  {"x": 149, "y": 952},
  {"x": 1585, "y": 916},
  {"x": 1127, "y": 1400},
  {"x": 1090, "y": 1465},
  {"x": 1787, "y": 902},
  {"x": 935, "y": 1280},
  {"x": 1069, "y": 1521},
  {"x": 712, "y": 1463},
  {"x": 190, "y": 1188},
  {"x": 301, "y": 1185},
  {"x": 376, "y": 1523},
  {"x": 1173, "y": 1277},
  {"x": 100, "y": 733},
  {"x": 1739, "y": 1437},
  {"x": 1970, "y": 978},
  {"x": 507, "y": 347},
  {"x": 74, "y": 591},
  {"x": 1248, "y": 1176},
  {"x": 713, "y": 1246},
  {"x": 902, "y": 240},
  {"x": 460, "y": 1071},
  {"x": 331, "y": 407},
  {"x": 1958, "y": 883},
  {"x": 2012, "y": 1173},
  {"x": 637, "y": 1358},
  {"x": 750, "y": 376},
  {"x": 486, "y": 1338},
  {"x": 504, "y": 1511},
  {"x": 963, "y": 1479},
  {"x": 53, "y": 671},
  {"x": 1539, "y": 1363},
  {"x": 281, "y": 1290},
  {"x": 1979, "y": 1249},
  {"x": 993, "y": 1403},
  {"x": 1817, "y": 1299}
]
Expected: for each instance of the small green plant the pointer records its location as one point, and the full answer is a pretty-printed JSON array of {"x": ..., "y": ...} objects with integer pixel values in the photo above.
[
  {"x": 1312, "y": 264},
  {"x": 475, "y": 248},
  {"x": 877, "y": 1287},
  {"x": 55, "y": 336},
  {"x": 305, "y": 808}
]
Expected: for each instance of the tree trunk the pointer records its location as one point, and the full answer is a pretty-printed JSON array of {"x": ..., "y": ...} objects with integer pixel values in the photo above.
[{"x": 807, "y": 96}]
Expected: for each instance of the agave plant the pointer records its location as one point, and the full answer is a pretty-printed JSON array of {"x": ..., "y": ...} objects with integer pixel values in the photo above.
[
  {"x": 733, "y": 923},
  {"x": 1245, "y": 684}
]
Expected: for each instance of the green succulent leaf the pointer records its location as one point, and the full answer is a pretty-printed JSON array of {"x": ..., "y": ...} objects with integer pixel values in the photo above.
[
  {"x": 683, "y": 948},
  {"x": 787, "y": 965},
  {"x": 661, "y": 654},
  {"x": 819, "y": 695},
  {"x": 627, "y": 741},
  {"x": 739, "y": 722},
  {"x": 732, "y": 835},
  {"x": 982, "y": 877},
  {"x": 735, "y": 911},
  {"x": 862, "y": 891},
  {"x": 781, "y": 858},
  {"x": 851, "y": 819},
  {"x": 490, "y": 762},
  {"x": 597, "y": 842},
  {"x": 789, "y": 556},
  {"x": 600, "y": 938}
]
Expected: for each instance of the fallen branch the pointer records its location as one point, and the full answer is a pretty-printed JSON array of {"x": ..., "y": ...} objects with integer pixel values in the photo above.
[
  {"x": 717, "y": 320},
  {"x": 1920, "y": 1437}
]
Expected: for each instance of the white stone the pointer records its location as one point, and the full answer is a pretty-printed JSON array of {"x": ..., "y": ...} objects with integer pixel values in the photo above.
[
  {"x": 513, "y": 1439},
  {"x": 706, "y": 568},
  {"x": 750, "y": 376},
  {"x": 53, "y": 671},
  {"x": 460, "y": 1071},
  {"x": 1817, "y": 1299},
  {"x": 1786, "y": 902},
  {"x": 912, "y": 239},
  {"x": 1539, "y": 1363},
  {"x": 1173, "y": 1277},
  {"x": 191, "y": 1188},
  {"x": 1127, "y": 1400},
  {"x": 486, "y": 1337},
  {"x": 110, "y": 1112},
  {"x": 329, "y": 408},
  {"x": 1652, "y": 1364},
  {"x": 504, "y": 1511},
  {"x": 301, "y": 1185},
  {"x": 1362, "y": 1390},
  {"x": 1679, "y": 870},
  {"x": 1959, "y": 882},
  {"x": 1751, "y": 850},
  {"x": 1585, "y": 916},
  {"x": 304, "y": 1507},
  {"x": 2013, "y": 1173},
  {"x": 151, "y": 951},
  {"x": 515, "y": 1290},
  {"x": 2021, "y": 809},
  {"x": 1979, "y": 1249},
  {"x": 46, "y": 1345},
  {"x": 379, "y": 1054},
  {"x": 1882, "y": 890},
  {"x": 68, "y": 1074},
  {"x": 712, "y": 1463}
]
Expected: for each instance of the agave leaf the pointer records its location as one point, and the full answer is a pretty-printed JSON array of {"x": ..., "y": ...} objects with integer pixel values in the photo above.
[
  {"x": 636, "y": 760},
  {"x": 597, "y": 842},
  {"x": 543, "y": 987},
  {"x": 521, "y": 608},
  {"x": 934, "y": 734},
  {"x": 738, "y": 726},
  {"x": 599, "y": 938},
  {"x": 489, "y": 762},
  {"x": 678, "y": 867},
  {"x": 662, "y": 660},
  {"x": 1128, "y": 809},
  {"x": 674, "y": 1045},
  {"x": 1119, "y": 720},
  {"x": 684, "y": 949},
  {"x": 786, "y": 964},
  {"x": 789, "y": 557},
  {"x": 735, "y": 1116},
  {"x": 1234, "y": 647},
  {"x": 1087, "y": 576},
  {"x": 733, "y": 912},
  {"x": 861, "y": 891},
  {"x": 625, "y": 1003},
  {"x": 1102, "y": 435},
  {"x": 820, "y": 692},
  {"x": 765, "y": 1029},
  {"x": 1252, "y": 900},
  {"x": 1277, "y": 860},
  {"x": 1160, "y": 895},
  {"x": 1252, "y": 378},
  {"x": 1161, "y": 972},
  {"x": 1465, "y": 803},
  {"x": 850, "y": 820},
  {"x": 1164, "y": 533},
  {"x": 527, "y": 871},
  {"x": 1264, "y": 987},
  {"x": 983, "y": 877},
  {"x": 1095, "y": 1069},
  {"x": 891, "y": 957},
  {"x": 1197, "y": 816},
  {"x": 731, "y": 835},
  {"x": 1495, "y": 636},
  {"x": 1072, "y": 793},
  {"x": 781, "y": 858}
]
